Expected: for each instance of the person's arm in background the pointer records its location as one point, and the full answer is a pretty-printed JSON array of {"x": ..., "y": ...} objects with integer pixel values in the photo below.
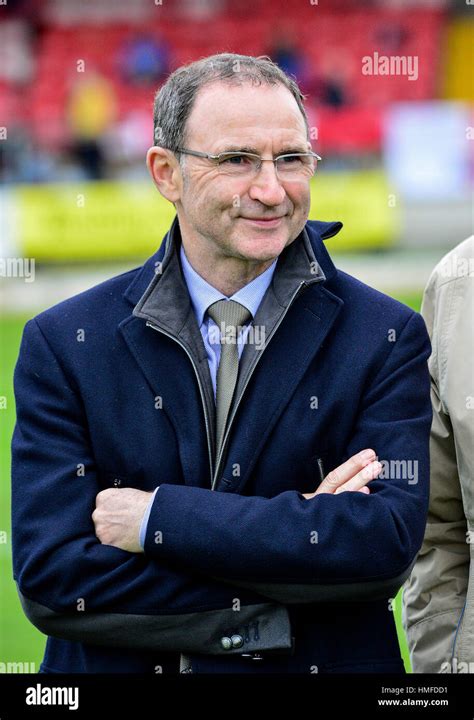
[
  {"x": 72, "y": 586},
  {"x": 434, "y": 595},
  {"x": 362, "y": 538}
]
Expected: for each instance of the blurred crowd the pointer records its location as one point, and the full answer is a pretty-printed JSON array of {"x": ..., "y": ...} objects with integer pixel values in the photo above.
[{"x": 105, "y": 124}]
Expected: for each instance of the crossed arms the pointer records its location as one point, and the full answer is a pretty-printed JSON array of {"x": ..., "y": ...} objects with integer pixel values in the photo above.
[{"x": 180, "y": 594}]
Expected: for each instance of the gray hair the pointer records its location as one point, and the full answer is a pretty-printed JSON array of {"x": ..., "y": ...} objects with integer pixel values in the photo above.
[{"x": 175, "y": 99}]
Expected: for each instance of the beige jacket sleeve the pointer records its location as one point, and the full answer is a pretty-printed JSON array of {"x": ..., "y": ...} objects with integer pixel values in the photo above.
[{"x": 438, "y": 597}]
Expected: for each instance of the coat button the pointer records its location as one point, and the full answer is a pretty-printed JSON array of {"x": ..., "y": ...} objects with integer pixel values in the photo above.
[
  {"x": 226, "y": 642},
  {"x": 237, "y": 641}
]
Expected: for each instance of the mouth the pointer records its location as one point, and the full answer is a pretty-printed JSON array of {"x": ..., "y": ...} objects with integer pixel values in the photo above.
[{"x": 266, "y": 223}]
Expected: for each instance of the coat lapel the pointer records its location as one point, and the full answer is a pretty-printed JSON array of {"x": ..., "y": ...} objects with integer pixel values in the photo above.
[{"x": 168, "y": 372}]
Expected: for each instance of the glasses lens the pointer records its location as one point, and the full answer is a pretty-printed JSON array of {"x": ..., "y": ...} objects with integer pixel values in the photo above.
[
  {"x": 296, "y": 166},
  {"x": 242, "y": 164}
]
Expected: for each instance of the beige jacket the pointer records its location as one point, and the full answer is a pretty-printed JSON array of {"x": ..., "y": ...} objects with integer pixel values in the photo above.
[{"x": 438, "y": 598}]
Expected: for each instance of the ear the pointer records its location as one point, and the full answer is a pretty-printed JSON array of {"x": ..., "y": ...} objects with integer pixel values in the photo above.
[{"x": 165, "y": 172}]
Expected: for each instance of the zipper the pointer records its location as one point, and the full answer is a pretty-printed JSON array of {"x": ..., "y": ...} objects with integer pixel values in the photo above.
[
  {"x": 237, "y": 402},
  {"x": 203, "y": 400},
  {"x": 322, "y": 474}
]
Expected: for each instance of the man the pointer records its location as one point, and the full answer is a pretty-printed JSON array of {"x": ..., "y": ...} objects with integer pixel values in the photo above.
[
  {"x": 438, "y": 611},
  {"x": 227, "y": 376}
]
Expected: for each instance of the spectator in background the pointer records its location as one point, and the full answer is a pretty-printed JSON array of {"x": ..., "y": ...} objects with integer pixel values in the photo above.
[
  {"x": 334, "y": 92},
  {"x": 325, "y": 84},
  {"x": 285, "y": 53},
  {"x": 438, "y": 607},
  {"x": 145, "y": 60},
  {"x": 91, "y": 111}
]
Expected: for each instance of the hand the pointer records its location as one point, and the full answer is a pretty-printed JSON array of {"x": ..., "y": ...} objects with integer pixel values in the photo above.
[
  {"x": 351, "y": 476},
  {"x": 118, "y": 515}
]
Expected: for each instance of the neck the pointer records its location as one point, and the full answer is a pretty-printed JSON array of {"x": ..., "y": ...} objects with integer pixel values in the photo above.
[{"x": 227, "y": 274}]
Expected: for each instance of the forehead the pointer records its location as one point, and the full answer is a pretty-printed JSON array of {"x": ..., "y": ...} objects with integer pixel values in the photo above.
[{"x": 224, "y": 113}]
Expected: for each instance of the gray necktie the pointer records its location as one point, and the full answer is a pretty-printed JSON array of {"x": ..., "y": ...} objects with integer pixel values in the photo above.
[{"x": 228, "y": 315}]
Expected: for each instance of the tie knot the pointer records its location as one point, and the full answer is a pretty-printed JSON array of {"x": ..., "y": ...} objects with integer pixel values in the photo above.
[{"x": 228, "y": 314}]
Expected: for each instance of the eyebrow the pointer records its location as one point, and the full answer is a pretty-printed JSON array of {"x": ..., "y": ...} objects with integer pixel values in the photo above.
[{"x": 284, "y": 151}]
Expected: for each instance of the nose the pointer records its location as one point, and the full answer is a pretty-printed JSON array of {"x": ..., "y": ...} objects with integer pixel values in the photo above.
[{"x": 266, "y": 187}]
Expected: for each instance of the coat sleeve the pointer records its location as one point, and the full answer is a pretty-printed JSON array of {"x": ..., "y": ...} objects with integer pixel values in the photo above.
[
  {"x": 345, "y": 546},
  {"x": 73, "y": 587},
  {"x": 434, "y": 595}
]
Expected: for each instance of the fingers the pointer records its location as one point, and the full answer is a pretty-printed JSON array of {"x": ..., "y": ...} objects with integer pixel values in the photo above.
[
  {"x": 359, "y": 482},
  {"x": 347, "y": 471},
  {"x": 363, "y": 489}
]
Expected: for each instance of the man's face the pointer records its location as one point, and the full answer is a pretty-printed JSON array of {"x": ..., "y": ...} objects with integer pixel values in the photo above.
[{"x": 217, "y": 209}]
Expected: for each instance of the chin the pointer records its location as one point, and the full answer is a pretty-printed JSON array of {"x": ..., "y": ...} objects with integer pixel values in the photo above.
[{"x": 261, "y": 246}]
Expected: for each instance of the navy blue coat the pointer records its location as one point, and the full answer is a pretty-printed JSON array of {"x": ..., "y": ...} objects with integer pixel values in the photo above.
[{"x": 240, "y": 571}]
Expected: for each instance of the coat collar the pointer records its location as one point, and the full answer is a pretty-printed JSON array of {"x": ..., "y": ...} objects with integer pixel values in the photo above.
[{"x": 316, "y": 233}]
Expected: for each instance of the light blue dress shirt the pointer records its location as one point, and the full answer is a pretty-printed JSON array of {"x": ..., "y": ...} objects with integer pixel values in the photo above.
[{"x": 202, "y": 295}]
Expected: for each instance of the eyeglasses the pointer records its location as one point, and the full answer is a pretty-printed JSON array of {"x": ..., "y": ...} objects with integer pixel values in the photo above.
[{"x": 289, "y": 167}]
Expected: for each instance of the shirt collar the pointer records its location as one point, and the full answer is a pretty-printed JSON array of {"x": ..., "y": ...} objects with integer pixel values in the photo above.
[{"x": 203, "y": 294}]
